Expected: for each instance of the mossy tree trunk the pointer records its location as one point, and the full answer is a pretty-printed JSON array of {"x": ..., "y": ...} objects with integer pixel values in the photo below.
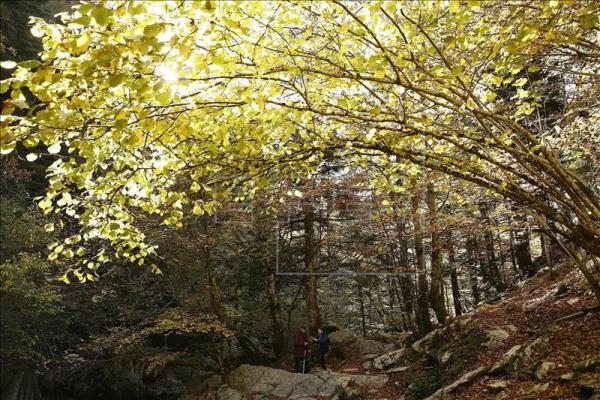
[
  {"x": 422, "y": 316},
  {"x": 437, "y": 273},
  {"x": 310, "y": 259}
]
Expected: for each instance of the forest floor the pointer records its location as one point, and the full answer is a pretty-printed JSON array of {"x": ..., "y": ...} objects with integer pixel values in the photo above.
[
  {"x": 569, "y": 341},
  {"x": 537, "y": 309}
]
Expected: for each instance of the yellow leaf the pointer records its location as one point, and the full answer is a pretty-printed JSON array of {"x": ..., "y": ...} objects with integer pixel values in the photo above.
[
  {"x": 54, "y": 149},
  {"x": 31, "y": 157},
  {"x": 164, "y": 97},
  {"x": 260, "y": 101},
  {"x": 490, "y": 96},
  {"x": 198, "y": 210},
  {"x": 520, "y": 82},
  {"x": 454, "y": 6},
  {"x": 8, "y": 64},
  {"x": 153, "y": 30},
  {"x": 7, "y": 148},
  {"x": 101, "y": 15},
  {"x": 116, "y": 79}
]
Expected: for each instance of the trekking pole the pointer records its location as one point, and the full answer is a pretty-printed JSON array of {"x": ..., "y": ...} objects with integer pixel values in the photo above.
[{"x": 304, "y": 362}]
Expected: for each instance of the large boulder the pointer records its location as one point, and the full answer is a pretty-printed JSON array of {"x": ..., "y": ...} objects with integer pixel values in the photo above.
[
  {"x": 388, "y": 359},
  {"x": 370, "y": 346},
  {"x": 424, "y": 344},
  {"x": 227, "y": 393},
  {"x": 344, "y": 380},
  {"x": 252, "y": 380},
  {"x": 497, "y": 336},
  {"x": 340, "y": 340},
  {"x": 342, "y": 337},
  {"x": 512, "y": 360}
]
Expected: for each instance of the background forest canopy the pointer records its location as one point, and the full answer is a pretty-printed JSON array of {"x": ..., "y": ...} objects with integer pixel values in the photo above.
[{"x": 449, "y": 143}]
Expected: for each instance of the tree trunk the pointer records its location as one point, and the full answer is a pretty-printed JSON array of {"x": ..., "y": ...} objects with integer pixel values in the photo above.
[
  {"x": 454, "y": 280},
  {"x": 513, "y": 257},
  {"x": 362, "y": 309},
  {"x": 546, "y": 253},
  {"x": 312, "y": 298},
  {"x": 270, "y": 278},
  {"x": 391, "y": 294},
  {"x": 485, "y": 273},
  {"x": 522, "y": 247},
  {"x": 279, "y": 344},
  {"x": 437, "y": 274},
  {"x": 472, "y": 262},
  {"x": 492, "y": 264},
  {"x": 214, "y": 291},
  {"x": 406, "y": 283},
  {"x": 405, "y": 321},
  {"x": 422, "y": 316}
]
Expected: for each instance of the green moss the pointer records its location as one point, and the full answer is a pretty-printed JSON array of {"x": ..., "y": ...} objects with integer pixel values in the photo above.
[
  {"x": 425, "y": 384},
  {"x": 463, "y": 348},
  {"x": 437, "y": 342},
  {"x": 357, "y": 393}
]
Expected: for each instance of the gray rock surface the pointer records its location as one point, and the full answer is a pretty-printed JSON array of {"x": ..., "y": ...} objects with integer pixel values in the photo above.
[
  {"x": 342, "y": 337},
  {"x": 227, "y": 393},
  {"x": 370, "y": 346},
  {"x": 445, "y": 357},
  {"x": 421, "y": 345},
  {"x": 445, "y": 392},
  {"x": 497, "y": 336},
  {"x": 513, "y": 358},
  {"x": 543, "y": 368},
  {"x": 507, "y": 359},
  {"x": 388, "y": 359},
  {"x": 283, "y": 384}
]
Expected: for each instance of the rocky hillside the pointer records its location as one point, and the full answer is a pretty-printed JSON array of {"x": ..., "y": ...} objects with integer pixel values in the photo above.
[{"x": 533, "y": 344}]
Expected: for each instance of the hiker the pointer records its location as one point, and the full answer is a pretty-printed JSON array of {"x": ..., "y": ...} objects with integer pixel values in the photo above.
[
  {"x": 301, "y": 351},
  {"x": 322, "y": 341}
]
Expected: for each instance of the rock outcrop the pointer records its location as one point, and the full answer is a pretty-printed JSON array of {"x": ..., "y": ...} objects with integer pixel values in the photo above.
[
  {"x": 341, "y": 337},
  {"x": 543, "y": 368},
  {"x": 388, "y": 360},
  {"x": 512, "y": 360},
  {"x": 370, "y": 346},
  {"x": 466, "y": 379},
  {"x": 497, "y": 336},
  {"x": 276, "y": 383}
]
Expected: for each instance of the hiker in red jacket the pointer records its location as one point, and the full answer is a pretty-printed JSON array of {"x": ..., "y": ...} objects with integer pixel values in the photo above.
[{"x": 301, "y": 351}]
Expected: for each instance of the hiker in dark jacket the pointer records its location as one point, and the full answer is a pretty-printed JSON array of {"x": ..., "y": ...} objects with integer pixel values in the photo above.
[
  {"x": 301, "y": 351},
  {"x": 322, "y": 341}
]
